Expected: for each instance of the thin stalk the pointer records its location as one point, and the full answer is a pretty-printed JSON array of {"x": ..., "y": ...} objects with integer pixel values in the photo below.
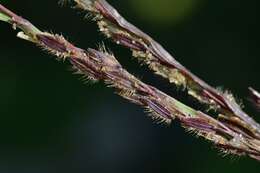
[
  {"x": 100, "y": 65},
  {"x": 147, "y": 50}
]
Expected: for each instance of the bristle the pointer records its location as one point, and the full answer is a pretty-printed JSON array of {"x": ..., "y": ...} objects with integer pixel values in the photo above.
[
  {"x": 156, "y": 117},
  {"x": 64, "y": 2},
  {"x": 54, "y": 44},
  {"x": 86, "y": 78}
]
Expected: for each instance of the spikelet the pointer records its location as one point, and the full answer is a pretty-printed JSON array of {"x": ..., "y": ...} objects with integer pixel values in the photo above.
[{"x": 54, "y": 44}]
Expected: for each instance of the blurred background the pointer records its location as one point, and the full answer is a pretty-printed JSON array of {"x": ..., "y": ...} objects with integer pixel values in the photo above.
[{"x": 51, "y": 122}]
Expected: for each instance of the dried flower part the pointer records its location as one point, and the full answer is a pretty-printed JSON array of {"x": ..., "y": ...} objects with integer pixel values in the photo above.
[
  {"x": 114, "y": 26},
  {"x": 100, "y": 65}
]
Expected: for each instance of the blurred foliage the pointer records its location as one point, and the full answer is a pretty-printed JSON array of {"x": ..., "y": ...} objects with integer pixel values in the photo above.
[{"x": 165, "y": 11}]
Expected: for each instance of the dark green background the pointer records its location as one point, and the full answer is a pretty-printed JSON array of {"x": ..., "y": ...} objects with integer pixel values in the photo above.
[{"x": 51, "y": 122}]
